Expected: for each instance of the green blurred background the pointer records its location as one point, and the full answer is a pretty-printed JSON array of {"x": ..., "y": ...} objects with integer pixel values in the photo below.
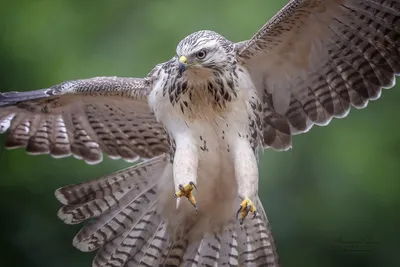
[{"x": 333, "y": 200}]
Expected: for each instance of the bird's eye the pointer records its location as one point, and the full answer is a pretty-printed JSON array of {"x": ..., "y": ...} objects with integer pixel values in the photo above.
[{"x": 201, "y": 54}]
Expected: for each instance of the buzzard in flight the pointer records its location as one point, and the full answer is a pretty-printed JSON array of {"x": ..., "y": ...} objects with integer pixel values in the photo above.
[{"x": 198, "y": 123}]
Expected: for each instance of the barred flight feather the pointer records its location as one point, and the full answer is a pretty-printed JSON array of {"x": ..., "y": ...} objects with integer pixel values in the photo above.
[
  {"x": 84, "y": 118},
  {"x": 343, "y": 54},
  {"x": 127, "y": 229}
]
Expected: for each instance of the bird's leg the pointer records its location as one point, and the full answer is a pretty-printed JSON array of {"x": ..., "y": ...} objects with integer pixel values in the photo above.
[
  {"x": 185, "y": 169},
  {"x": 246, "y": 172}
]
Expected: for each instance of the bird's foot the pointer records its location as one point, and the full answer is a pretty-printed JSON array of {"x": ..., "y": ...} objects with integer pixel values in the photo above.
[
  {"x": 187, "y": 191},
  {"x": 245, "y": 207}
]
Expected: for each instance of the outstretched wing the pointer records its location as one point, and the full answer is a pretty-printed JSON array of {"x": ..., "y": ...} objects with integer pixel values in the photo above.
[
  {"x": 84, "y": 118},
  {"x": 315, "y": 59}
]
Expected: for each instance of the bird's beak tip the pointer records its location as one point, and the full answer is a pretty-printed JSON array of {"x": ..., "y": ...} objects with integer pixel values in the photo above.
[{"x": 181, "y": 67}]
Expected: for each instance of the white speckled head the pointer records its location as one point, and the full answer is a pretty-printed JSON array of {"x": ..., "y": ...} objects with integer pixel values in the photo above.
[{"x": 205, "y": 49}]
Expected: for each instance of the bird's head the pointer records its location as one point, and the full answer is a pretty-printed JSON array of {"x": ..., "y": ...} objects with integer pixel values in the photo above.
[{"x": 203, "y": 51}]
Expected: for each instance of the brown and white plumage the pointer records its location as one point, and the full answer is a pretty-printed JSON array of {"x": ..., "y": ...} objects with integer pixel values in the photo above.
[
  {"x": 84, "y": 118},
  {"x": 203, "y": 117},
  {"x": 315, "y": 59}
]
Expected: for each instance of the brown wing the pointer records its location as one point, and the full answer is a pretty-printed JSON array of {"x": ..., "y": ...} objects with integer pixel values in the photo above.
[
  {"x": 317, "y": 58},
  {"x": 84, "y": 118}
]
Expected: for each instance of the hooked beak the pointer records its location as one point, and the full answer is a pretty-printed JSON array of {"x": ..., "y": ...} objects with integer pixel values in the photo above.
[{"x": 182, "y": 64}]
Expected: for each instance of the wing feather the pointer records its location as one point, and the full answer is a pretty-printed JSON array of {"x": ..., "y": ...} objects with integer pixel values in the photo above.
[
  {"x": 84, "y": 118},
  {"x": 315, "y": 59}
]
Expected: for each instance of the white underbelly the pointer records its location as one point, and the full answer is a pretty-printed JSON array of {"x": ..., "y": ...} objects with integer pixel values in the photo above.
[
  {"x": 215, "y": 168},
  {"x": 216, "y": 181}
]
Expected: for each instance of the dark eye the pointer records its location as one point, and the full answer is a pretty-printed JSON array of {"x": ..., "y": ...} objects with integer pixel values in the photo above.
[{"x": 201, "y": 54}]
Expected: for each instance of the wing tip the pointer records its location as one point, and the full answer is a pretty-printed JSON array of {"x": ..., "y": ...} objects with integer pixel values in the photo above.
[
  {"x": 66, "y": 217},
  {"x": 60, "y": 196},
  {"x": 82, "y": 244}
]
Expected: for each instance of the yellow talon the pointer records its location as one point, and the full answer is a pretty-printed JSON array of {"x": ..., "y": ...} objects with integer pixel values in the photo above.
[
  {"x": 187, "y": 191},
  {"x": 245, "y": 207}
]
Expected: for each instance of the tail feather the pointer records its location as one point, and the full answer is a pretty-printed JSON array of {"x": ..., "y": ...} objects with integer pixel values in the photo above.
[
  {"x": 214, "y": 248},
  {"x": 209, "y": 249},
  {"x": 140, "y": 176},
  {"x": 257, "y": 247},
  {"x": 73, "y": 214},
  {"x": 192, "y": 256},
  {"x": 146, "y": 230},
  {"x": 229, "y": 253},
  {"x": 129, "y": 228},
  {"x": 175, "y": 253},
  {"x": 116, "y": 222},
  {"x": 118, "y": 200},
  {"x": 260, "y": 246},
  {"x": 177, "y": 245},
  {"x": 250, "y": 244},
  {"x": 125, "y": 250},
  {"x": 153, "y": 249}
]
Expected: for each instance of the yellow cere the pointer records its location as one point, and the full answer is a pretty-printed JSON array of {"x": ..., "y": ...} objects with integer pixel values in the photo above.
[{"x": 183, "y": 59}]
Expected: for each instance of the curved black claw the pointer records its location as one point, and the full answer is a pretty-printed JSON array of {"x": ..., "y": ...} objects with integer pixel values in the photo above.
[
  {"x": 254, "y": 215},
  {"x": 193, "y": 184},
  {"x": 237, "y": 213},
  {"x": 248, "y": 208}
]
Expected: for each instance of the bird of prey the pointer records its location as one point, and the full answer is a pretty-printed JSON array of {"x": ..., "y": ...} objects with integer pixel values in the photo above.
[{"x": 198, "y": 122}]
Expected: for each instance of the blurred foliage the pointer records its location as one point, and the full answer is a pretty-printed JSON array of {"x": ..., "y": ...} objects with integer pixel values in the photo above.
[{"x": 332, "y": 200}]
